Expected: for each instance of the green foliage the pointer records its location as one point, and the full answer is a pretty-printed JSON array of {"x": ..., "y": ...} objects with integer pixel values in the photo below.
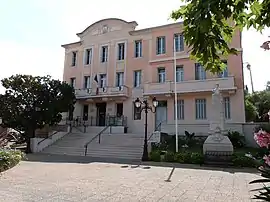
[
  {"x": 169, "y": 157},
  {"x": 9, "y": 158},
  {"x": 240, "y": 160},
  {"x": 264, "y": 127},
  {"x": 189, "y": 137},
  {"x": 155, "y": 156},
  {"x": 251, "y": 111},
  {"x": 264, "y": 192},
  {"x": 197, "y": 158},
  {"x": 237, "y": 139},
  {"x": 32, "y": 102},
  {"x": 209, "y": 26}
]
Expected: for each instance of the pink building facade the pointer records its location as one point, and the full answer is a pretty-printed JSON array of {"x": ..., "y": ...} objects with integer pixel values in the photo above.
[{"x": 113, "y": 64}]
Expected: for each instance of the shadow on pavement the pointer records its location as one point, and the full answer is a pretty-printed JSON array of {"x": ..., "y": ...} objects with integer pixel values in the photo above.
[{"x": 125, "y": 163}]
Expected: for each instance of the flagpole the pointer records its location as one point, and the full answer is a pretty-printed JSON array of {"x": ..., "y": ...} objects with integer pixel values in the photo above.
[{"x": 175, "y": 97}]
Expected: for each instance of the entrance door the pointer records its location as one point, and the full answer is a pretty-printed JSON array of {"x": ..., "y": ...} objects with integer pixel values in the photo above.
[
  {"x": 119, "y": 109},
  {"x": 101, "y": 114},
  {"x": 85, "y": 112},
  {"x": 161, "y": 112}
]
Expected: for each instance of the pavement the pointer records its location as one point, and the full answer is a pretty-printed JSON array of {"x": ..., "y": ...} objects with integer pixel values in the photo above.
[{"x": 60, "y": 178}]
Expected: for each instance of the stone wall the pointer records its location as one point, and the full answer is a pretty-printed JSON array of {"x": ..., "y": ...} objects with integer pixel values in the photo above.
[{"x": 247, "y": 129}]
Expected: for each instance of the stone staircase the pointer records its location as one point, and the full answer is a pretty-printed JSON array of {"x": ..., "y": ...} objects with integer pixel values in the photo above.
[{"x": 118, "y": 146}]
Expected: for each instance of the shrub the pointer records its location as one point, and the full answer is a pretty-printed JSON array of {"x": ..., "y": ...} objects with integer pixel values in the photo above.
[
  {"x": 264, "y": 127},
  {"x": 240, "y": 160},
  {"x": 197, "y": 158},
  {"x": 169, "y": 157},
  {"x": 155, "y": 156},
  {"x": 237, "y": 139},
  {"x": 9, "y": 158},
  {"x": 183, "y": 157}
]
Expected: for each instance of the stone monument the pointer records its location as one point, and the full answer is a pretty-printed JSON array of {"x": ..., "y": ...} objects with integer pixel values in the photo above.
[{"x": 217, "y": 146}]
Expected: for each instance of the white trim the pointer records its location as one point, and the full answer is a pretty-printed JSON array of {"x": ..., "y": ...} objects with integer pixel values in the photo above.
[
  {"x": 84, "y": 55},
  {"x": 100, "y": 52},
  {"x": 125, "y": 59}
]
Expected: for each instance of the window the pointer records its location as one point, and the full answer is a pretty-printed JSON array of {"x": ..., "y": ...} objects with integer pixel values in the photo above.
[
  {"x": 161, "y": 75},
  {"x": 86, "y": 83},
  {"x": 225, "y": 71},
  {"x": 179, "y": 42},
  {"x": 200, "y": 73},
  {"x": 119, "y": 79},
  {"x": 137, "y": 78},
  {"x": 200, "y": 105},
  {"x": 74, "y": 58},
  {"x": 121, "y": 51},
  {"x": 102, "y": 80},
  {"x": 88, "y": 56},
  {"x": 73, "y": 82},
  {"x": 136, "y": 112},
  {"x": 179, "y": 73},
  {"x": 180, "y": 110},
  {"x": 161, "y": 45},
  {"x": 104, "y": 54},
  {"x": 227, "y": 107},
  {"x": 138, "y": 49}
]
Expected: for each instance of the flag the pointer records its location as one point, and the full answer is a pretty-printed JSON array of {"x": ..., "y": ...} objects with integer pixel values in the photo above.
[{"x": 96, "y": 78}]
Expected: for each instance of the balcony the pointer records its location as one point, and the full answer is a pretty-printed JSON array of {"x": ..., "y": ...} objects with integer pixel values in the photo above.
[
  {"x": 106, "y": 92},
  {"x": 191, "y": 86}
]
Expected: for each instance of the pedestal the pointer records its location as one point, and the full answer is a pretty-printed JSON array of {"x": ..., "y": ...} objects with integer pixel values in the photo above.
[{"x": 217, "y": 149}]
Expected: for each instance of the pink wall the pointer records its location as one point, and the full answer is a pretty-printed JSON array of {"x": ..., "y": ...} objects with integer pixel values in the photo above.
[{"x": 122, "y": 31}]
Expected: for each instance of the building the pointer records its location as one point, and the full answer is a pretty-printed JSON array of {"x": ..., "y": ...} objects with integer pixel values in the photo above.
[{"x": 113, "y": 63}]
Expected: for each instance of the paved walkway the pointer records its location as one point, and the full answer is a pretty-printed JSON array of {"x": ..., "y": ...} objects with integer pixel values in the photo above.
[{"x": 63, "y": 181}]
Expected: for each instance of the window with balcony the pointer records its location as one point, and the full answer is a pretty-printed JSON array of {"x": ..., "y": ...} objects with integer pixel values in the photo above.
[
  {"x": 137, "y": 78},
  {"x": 161, "y": 75},
  {"x": 119, "y": 79},
  {"x": 86, "y": 83},
  {"x": 200, "y": 73},
  {"x": 74, "y": 58},
  {"x": 227, "y": 107},
  {"x": 179, "y": 42},
  {"x": 161, "y": 45},
  {"x": 88, "y": 56},
  {"x": 224, "y": 73},
  {"x": 180, "y": 110},
  {"x": 102, "y": 80},
  {"x": 200, "y": 107},
  {"x": 121, "y": 51},
  {"x": 136, "y": 112},
  {"x": 179, "y": 73},
  {"x": 104, "y": 54},
  {"x": 138, "y": 49},
  {"x": 73, "y": 82}
]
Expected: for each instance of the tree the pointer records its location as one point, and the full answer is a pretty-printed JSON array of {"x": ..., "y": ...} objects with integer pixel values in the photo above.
[
  {"x": 209, "y": 26},
  {"x": 32, "y": 102}
]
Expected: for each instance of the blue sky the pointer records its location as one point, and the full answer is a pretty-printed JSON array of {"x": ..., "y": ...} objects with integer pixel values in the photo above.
[{"x": 32, "y": 32}]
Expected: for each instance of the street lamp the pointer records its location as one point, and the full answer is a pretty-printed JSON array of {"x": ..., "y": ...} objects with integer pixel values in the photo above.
[
  {"x": 144, "y": 106},
  {"x": 251, "y": 79}
]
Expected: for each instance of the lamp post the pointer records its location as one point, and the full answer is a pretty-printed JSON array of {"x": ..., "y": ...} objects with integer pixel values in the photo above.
[
  {"x": 251, "y": 79},
  {"x": 144, "y": 106}
]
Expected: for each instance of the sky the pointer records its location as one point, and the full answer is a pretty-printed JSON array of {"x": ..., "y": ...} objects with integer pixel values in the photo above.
[{"x": 32, "y": 32}]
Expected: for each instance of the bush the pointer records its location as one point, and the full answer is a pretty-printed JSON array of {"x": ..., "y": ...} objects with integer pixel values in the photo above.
[
  {"x": 197, "y": 158},
  {"x": 169, "y": 157},
  {"x": 9, "y": 158},
  {"x": 183, "y": 157},
  {"x": 264, "y": 127},
  {"x": 240, "y": 160},
  {"x": 237, "y": 139},
  {"x": 155, "y": 156}
]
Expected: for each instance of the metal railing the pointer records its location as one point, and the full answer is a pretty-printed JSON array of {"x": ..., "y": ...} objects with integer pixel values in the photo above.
[
  {"x": 49, "y": 136},
  {"x": 99, "y": 139},
  {"x": 97, "y": 121}
]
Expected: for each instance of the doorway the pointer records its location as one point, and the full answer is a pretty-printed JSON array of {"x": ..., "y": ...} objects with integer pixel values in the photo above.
[
  {"x": 161, "y": 113},
  {"x": 119, "y": 109},
  {"x": 101, "y": 114},
  {"x": 85, "y": 112}
]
